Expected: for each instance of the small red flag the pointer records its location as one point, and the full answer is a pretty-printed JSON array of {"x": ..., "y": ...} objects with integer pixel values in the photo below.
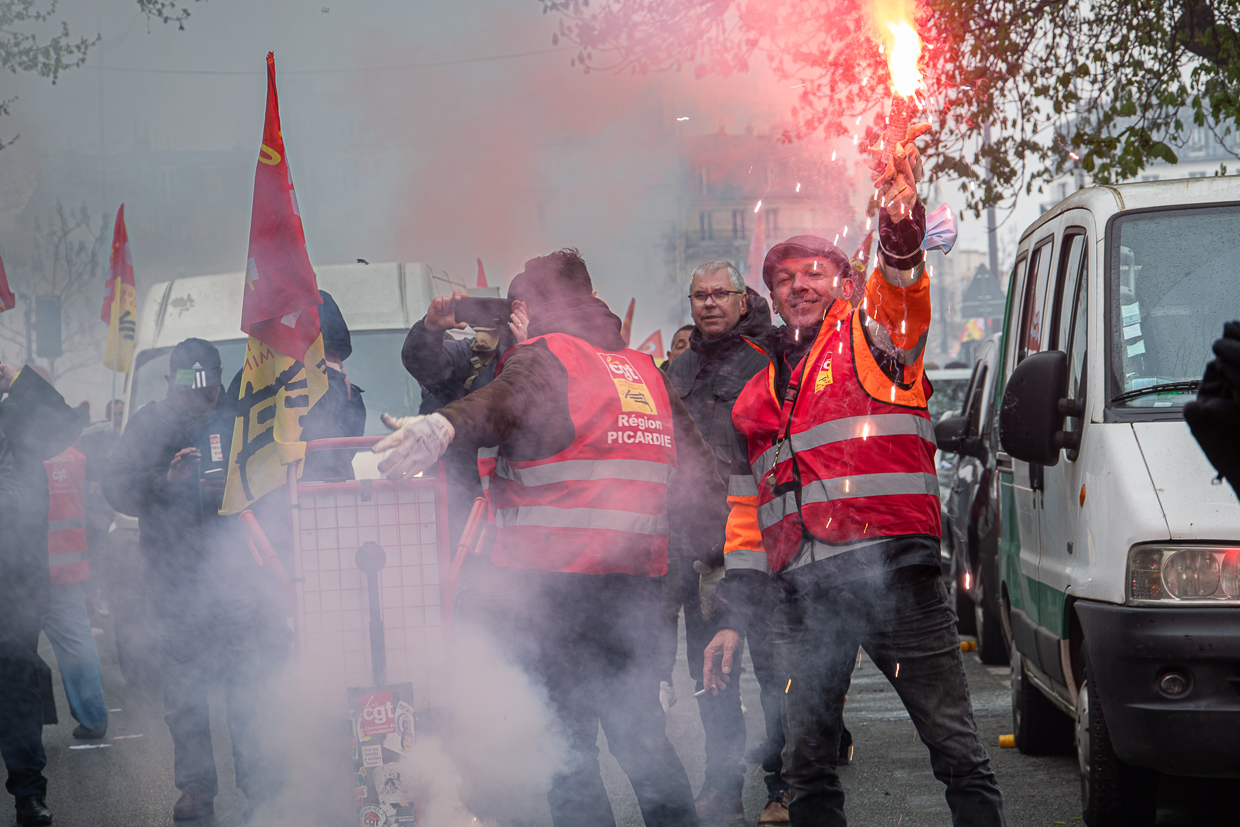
[
  {"x": 7, "y": 300},
  {"x": 653, "y": 345},
  {"x": 120, "y": 266},
  {"x": 482, "y": 275},
  {"x": 281, "y": 301},
  {"x": 626, "y": 329}
]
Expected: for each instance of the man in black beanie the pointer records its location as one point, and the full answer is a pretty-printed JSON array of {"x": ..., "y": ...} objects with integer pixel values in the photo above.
[
  {"x": 584, "y": 493},
  {"x": 167, "y": 469}
]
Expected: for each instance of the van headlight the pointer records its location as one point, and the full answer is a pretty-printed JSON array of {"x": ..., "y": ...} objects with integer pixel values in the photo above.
[{"x": 1180, "y": 574}]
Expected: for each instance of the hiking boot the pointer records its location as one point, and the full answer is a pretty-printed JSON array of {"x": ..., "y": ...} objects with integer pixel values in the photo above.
[
  {"x": 193, "y": 804},
  {"x": 775, "y": 813},
  {"x": 715, "y": 807}
]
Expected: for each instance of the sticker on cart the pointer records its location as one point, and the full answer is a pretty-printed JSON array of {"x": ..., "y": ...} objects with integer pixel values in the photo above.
[
  {"x": 402, "y": 739},
  {"x": 378, "y": 714},
  {"x": 372, "y": 755},
  {"x": 373, "y": 816},
  {"x": 392, "y": 787}
]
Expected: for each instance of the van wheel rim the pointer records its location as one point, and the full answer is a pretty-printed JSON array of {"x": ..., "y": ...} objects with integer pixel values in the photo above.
[{"x": 1083, "y": 756}]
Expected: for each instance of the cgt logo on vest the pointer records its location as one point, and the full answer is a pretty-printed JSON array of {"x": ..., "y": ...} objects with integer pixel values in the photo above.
[{"x": 634, "y": 395}]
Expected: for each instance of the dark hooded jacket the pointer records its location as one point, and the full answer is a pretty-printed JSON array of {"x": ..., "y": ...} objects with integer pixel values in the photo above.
[
  {"x": 525, "y": 409},
  {"x": 712, "y": 372},
  {"x": 35, "y": 425},
  {"x": 184, "y": 540}
]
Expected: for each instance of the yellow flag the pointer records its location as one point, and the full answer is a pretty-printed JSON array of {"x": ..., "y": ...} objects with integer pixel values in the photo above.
[
  {"x": 276, "y": 391},
  {"x": 120, "y": 300}
]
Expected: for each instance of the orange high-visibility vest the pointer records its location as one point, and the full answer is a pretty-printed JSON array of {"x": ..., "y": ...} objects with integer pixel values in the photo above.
[
  {"x": 66, "y": 517},
  {"x": 847, "y": 455},
  {"x": 600, "y": 505}
]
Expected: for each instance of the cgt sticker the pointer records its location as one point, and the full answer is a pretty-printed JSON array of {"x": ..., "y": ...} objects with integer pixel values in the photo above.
[
  {"x": 634, "y": 395},
  {"x": 825, "y": 376}
]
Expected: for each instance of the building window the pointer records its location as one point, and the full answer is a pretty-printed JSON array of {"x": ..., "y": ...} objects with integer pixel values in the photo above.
[
  {"x": 738, "y": 224},
  {"x": 1149, "y": 177},
  {"x": 772, "y": 223},
  {"x": 706, "y": 225},
  {"x": 1196, "y": 175}
]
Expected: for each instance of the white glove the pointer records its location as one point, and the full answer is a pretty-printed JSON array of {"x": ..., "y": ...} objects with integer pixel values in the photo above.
[
  {"x": 708, "y": 582},
  {"x": 416, "y": 442},
  {"x": 667, "y": 696}
]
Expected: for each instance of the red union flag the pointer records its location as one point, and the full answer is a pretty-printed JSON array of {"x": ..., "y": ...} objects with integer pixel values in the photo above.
[
  {"x": 653, "y": 345},
  {"x": 120, "y": 299},
  {"x": 7, "y": 300},
  {"x": 281, "y": 302},
  {"x": 285, "y": 371}
]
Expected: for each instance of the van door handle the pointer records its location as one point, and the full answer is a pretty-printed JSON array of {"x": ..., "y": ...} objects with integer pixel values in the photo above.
[{"x": 1003, "y": 461}]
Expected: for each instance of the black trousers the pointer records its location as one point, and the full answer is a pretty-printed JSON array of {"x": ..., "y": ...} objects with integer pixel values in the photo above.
[
  {"x": 21, "y": 707},
  {"x": 904, "y": 623},
  {"x": 592, "y": 641},
  {"x": 771, "y": 690},
  {"x": 723, "y": 722}
]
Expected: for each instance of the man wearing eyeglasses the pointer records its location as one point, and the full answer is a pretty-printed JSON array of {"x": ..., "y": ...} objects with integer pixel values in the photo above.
[
  {"x": 840, "y": 501},
  {"x": 708, "y": 376}
]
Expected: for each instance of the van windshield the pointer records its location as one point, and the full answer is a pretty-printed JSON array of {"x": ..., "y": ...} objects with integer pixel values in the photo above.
[
  {"x": 1171, "y": 288},
  {"x": 374, "y": 366}
]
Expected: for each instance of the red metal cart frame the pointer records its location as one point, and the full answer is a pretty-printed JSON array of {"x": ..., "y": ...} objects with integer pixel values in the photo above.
[{"x": 329, "y": 522}]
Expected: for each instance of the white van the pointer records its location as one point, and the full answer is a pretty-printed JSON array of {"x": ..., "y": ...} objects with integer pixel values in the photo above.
[
  {"x": 1119, "y": 550},
  {"x": 379, "y": 302}
]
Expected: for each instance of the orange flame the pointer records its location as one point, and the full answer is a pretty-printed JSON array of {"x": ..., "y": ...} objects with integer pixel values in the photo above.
[
  {"x": 901, "y": 43},
  {"x": 902, "y": 58}
]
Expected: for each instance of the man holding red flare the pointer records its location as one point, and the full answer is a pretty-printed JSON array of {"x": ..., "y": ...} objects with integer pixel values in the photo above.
[{"x": 834, "y": 491}]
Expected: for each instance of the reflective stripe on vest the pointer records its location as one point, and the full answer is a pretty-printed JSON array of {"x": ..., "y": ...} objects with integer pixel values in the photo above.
[
  {"x": 548, "y": 516},
  {"x": 869, "y": 485},
  {"x": 862, "y": 427},
  {"x": 584, "y": 470},
  {"x": 598, "y": 506},
  {"x": 66, "y": 517}
]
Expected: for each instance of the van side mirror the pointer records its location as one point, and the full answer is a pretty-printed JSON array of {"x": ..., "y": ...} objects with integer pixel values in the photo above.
[
  {"x": 1031, "y": 415},
  {"x": 953, "y": 435}
]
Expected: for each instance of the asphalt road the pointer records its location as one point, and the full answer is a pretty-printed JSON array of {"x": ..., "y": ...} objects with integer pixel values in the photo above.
[{"x": 126, "y": 779}]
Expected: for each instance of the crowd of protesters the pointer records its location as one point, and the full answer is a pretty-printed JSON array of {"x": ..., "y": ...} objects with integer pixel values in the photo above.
[{"x": 624, "y": 495}]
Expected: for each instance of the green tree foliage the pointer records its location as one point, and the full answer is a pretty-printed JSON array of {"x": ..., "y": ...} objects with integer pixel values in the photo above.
[{"x": 1106, "y": 86}]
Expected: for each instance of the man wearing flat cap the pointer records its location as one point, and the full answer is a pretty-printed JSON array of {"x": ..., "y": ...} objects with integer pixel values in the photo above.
[
  {"x": 167, "y": 469},
  {"x": 833, "y": 490},
  {"x": 591, "y": 439}
]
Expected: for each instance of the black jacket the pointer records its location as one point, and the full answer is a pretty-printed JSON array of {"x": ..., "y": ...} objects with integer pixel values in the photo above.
[
  {"x": 35, "y": 424},
  {"x": 184, "y": 540},
  {"x": 710, "y": 375}
]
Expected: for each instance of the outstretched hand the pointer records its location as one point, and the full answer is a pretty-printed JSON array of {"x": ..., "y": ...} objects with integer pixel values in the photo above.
[
  {"x": 896, "y": 183},
  {"x": 416, "y": 442}
]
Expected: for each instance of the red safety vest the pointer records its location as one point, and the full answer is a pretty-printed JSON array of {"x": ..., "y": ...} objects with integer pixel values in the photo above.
[
  {"x": 600, "y": 505},
  {"x": 852, "y": 452},
  {"x": 66, "y": 517}
]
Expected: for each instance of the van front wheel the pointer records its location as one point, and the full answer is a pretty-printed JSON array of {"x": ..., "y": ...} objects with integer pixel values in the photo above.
[
  {"x": 1040, "y": 728},
  {"x": 1113, "y": 794}
]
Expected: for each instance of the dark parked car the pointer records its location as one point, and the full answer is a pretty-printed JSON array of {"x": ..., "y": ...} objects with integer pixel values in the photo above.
[{"x": 968, "y": 443}]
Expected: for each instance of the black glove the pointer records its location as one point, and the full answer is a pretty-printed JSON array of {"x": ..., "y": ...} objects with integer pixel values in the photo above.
[{"x": 1214, "y": 416}]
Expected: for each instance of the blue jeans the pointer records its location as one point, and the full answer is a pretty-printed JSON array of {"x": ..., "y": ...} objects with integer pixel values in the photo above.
[
  {"x": 903, "y": 621},
  {"x": 68, "y": 628}
]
